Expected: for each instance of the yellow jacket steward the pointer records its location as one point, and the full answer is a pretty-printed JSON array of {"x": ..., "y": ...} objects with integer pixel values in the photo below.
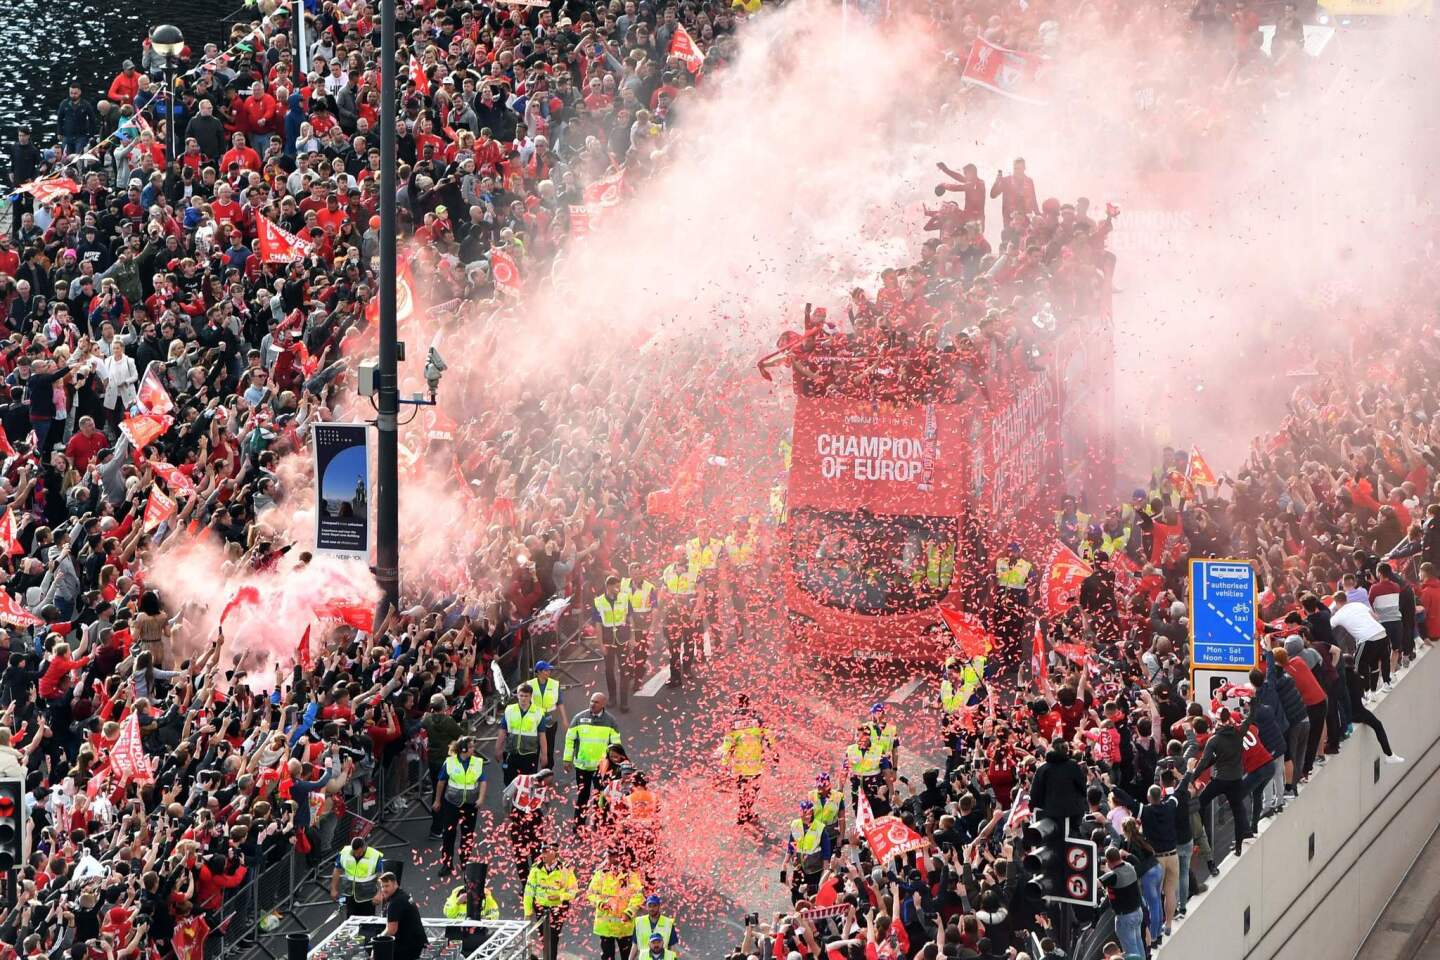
[
  {"x": 641, "y": 596},
  {"x": 1012, "y": 575},
  {"x": 827, "y": 809},
  {"x": 863, "y": 763},
  {"x": 586, "y": 741},
  {"x": 679, "y": 582},
  {"x": 360, "y": 875},
  {"x": 953, "y": 696},
  {"x": 613, "y": 613},
  {"x": 665, "y": 926},
  {"x": 547, "y": 695},
  {"x": 744, "y": 750},
  {"x": 522, "y": 730},
  {"x": 882, "y": 739},
  {"x": 454, "y": 908},
  {"x": 616, "y": 899},
  {"x": 703, "y": 556},
  {"x": 553, "y": 887},
  {"x": 462, "y": 781},
  {"x": 740, "y": 551},
  {"x": 806, "y": 840}
]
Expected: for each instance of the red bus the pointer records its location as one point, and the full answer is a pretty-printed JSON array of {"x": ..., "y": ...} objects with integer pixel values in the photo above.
[{"x": 907, "y": 473}]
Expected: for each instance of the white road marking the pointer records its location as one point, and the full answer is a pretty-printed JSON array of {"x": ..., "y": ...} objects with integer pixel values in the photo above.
[
  {"x": 652, "y": 686},
  {"x": 904, "y": 691}
]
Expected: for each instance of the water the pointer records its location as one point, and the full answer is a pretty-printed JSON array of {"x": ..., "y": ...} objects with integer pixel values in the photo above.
[{"x": 46, "y": 44}]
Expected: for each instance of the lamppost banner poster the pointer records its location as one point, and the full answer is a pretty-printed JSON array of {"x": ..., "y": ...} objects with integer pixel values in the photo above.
[{"x": 342, "y": 489}]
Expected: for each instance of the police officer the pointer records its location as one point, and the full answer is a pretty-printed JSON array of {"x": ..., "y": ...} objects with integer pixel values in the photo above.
[
  {"x": 459, "y": 793},
  {"x": 829, "y": 805},
  {"x": 747, "y": 746},
  {"x": 653, "y": 923},
  {"x": 679, "y": 611},
  {"x": 549, "y": 890},
  {"x": 612, "y": 616},
  {"x": 1014, "y": 577},
  {"x": 614, "y": 892},
  {"x": 867, "y": 767},
  {"x": 520, "y": 741},
  {"x": 357, "y": 874},
  {"x": 550, "y": 698},
  {"x": 586, "y": 743}
]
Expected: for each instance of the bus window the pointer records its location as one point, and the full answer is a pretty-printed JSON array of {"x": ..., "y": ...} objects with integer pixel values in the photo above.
[{"x": 870, "y": 564}]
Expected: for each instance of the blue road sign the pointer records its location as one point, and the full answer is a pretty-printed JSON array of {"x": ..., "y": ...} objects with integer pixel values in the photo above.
[{"x": 1222, "y": 614}]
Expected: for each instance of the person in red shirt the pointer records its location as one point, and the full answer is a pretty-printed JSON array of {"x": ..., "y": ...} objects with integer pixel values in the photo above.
[
  {"x": 125, "y": 85},
  {"x": 9, "y": 257},
  {"x": 85, "y": 444},
  {"x": 1428, "y": 594},
  {"x": 259, "y": 116},
  {"x": 240, "y": 154},
  {"x": 1316, "y": 703},
  {"x": 53, "y": 684}
]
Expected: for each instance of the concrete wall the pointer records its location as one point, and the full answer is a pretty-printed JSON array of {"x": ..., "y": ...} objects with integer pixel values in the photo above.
[{"x": 1313, "y": 884}]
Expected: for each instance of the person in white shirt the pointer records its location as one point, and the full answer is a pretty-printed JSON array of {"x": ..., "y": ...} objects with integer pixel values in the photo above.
[{"x": 1359, "y": 622}]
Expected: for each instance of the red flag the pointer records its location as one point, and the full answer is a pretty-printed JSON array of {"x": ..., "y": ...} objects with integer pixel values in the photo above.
[
  {"x": 158, "y": 509},
  {"x": 10, "y": 534},
  {"x": 888, "y": 836},
  {"x": 404, "y": 300},
  {"x": 13, "y": 613},
  {"x": 1009, "y": 73},
  {"x": 245, "y": 596},
  {"x": 505, "y": 272},
  {"x": 356, "y": 613},
  {"x": 684, "y": 47},
  {"x": 1168, "y": 547},
  {"x": 152, "y": 397},
  {"x": 974, "y": 639},
  {"x": 143, "y": 428},
  {"x": 419, "y": 77},
  {"x": 1199, "y": 471},
  {"x": 189, "y": 938},
  {"x": 176, "y": 482},
  {"x": 50, "y": 189},
  {"x": 99, "y": 779},
  {"x": 864, "y": 816},
  {"x": 604, "y": 192},
  {"x": 1062, "y": 584},
  {"x": 1039, "y": 661},
  {"x": 275, "y": 244},
  {"x": 5, "y": 446},
  {"x": 127, "y": 756},
  {"x": 302, "y": 652}
]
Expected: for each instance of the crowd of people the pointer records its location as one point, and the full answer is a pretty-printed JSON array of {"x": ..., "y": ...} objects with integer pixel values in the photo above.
[{"x": 162, "y": 371}]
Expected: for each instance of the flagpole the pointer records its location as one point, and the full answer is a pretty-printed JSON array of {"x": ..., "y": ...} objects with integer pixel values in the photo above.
[{"x": 387, "y": 476}]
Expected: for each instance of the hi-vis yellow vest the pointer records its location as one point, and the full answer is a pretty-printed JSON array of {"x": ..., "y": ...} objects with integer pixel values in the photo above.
[
  {"x": 616, "y": 900},
  {"x": 613, "y": 613},
  {"x": 744, "y": 750},
  {"x": 640, "y": 597},
  {"x": 863, "y": 763},
  {"x": 703, "y": 556},
  {"x": 741, "y": 552},
  {"x": 678, "y": 581},
  {"x": 462, "y": 781},
  {"x": 1012, "y": 576}
]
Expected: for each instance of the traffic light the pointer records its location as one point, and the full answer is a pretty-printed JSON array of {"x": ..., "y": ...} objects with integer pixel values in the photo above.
[
  {"x": 1058, "y": 868},
  {"x": 12, "y": 833},
  {"x": 1043, "y": 854}
]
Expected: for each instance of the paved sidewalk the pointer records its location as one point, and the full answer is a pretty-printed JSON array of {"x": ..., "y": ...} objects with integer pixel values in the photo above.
[{"x": 1408, "y": 929}]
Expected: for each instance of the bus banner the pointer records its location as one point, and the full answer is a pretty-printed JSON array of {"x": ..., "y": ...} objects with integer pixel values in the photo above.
[{"x": 884, "y": 458}]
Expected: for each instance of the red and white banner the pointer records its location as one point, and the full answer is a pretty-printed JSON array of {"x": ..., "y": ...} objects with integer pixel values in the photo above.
[
  {"x": 275, "y": 244},
  {"x": 158, "y": 509},
  {"x": 1199, "y": 472},
  {"x": 683, "y": 47},
  {"x": 505, "y": 272},
  {"x": 419, "y": 77},
  {"x": 152, "y": 397},
  {"x": 127, "y": 756},
  {"x": 1009, "y": 73},
  {"x": 1062, "y": 582},
  {"x": 143, "y": 429},
  {"x": 357, "y": 613},
  {"x": 605, "y": 192},
  {"x": 887, "y": 836},
  {"x": 51, "y": 189},
  {"x": 176, "y": 482},
  {"x": 10, "y": 534},
  {"x": 13, "y": 613}
]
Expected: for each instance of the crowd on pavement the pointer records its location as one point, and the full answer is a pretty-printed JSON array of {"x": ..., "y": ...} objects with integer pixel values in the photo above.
[{"x": 162, "y": 368}]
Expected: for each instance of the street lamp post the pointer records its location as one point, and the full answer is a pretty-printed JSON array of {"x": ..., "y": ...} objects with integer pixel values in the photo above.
[
  {"x": 167, "y": 41},
  {"x": 387, "y": 500}
]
